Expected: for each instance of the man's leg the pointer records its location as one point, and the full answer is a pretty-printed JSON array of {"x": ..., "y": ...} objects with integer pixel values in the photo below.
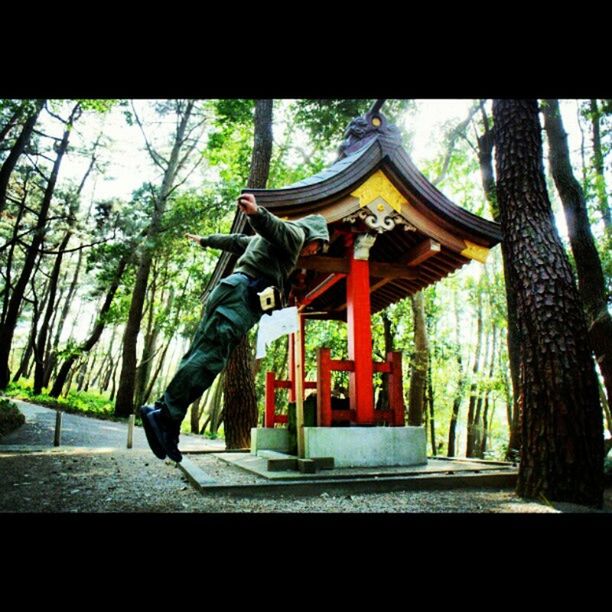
[{"x": 228, "y": 317}]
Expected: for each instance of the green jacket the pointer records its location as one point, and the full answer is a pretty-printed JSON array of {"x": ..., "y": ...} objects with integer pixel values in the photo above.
[{"x": 274, "y": 250}]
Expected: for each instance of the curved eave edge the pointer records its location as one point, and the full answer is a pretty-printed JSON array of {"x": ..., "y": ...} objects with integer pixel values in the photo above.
[
  {"x": 335, "y": 183},
  {"x": 379, "y": 154},
  {"x": 400, "y": 162}
]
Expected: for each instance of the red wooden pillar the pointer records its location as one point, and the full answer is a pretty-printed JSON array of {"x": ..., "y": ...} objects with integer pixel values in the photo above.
[
  {"x": 361, "y": 384},
  {"x": 270, "y": 399},
  {"x": 324, "y": 410}
]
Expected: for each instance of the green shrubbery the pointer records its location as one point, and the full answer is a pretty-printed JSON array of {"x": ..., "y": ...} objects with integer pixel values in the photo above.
[
  {"x": 81, "y": 402},
  {"x": 10, "y": 417}
]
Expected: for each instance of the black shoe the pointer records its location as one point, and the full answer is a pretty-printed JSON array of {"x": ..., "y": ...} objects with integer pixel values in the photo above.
[
  {"x": 170, "y": 430},
  {"x": 166, "y": 433},
  {"x": 150, "y": 426}
]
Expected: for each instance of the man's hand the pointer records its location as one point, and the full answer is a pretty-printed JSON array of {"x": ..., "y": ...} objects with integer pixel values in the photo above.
[
  {"x": 247, "y": 204},
  {"x": 193, "y": 237}
]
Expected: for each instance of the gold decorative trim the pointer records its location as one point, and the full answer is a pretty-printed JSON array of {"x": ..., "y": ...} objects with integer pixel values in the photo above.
[
  {"x": 379, "y": 186},
  {"x": 475, "y": 251}
]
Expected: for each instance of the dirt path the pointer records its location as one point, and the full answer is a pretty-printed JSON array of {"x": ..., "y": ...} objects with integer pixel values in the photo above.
[{"x": 87, "y": 478}]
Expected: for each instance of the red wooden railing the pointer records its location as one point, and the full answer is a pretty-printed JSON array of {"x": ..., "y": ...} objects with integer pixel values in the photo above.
[{"x": 325, "y": 415}]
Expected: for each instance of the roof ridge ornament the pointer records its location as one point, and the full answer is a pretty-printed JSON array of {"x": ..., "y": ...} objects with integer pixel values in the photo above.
[{"x": 365, "y": 128}]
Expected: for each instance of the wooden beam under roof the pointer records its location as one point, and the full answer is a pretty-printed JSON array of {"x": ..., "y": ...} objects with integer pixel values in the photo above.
[
  {"x": 421, "y": 251},
  {"x": 340, "y": 265}
]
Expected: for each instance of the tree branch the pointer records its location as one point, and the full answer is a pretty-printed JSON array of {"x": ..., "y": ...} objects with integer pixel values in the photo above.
[
  {"x": 157, "y": 158},
  {"x": 454, "y": 135}
]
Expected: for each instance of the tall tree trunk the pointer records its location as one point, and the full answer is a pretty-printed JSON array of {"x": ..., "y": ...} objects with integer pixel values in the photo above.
[
  {"x": 591, "y": 282},
  {"x": 39, "y": 365},
  {"x": 382, "y": 402},
  {"x": 562, "y": 429},
  {"x": 7, "y": 330},
  {"x": 477, "y": 426},
  {"x": 216, "y": 407},
  {"x": 8, "y": 126},
  {"x": 143, "y": 371},
  {"x": 418, "y": 378},
  {"x": 240, "y": 403},
  {"x": 124, "y": 404},
  {"x": 598, "y": 162},
  {"x": 20, "y": 144},
  {"x": 195, "y": 413},
  {"x": 8, "y": 281},
  {"x": 452, "y": 428},
  {"x": 95, "y": 334},
  {"x": 485, "y": 157},
  {"x": 469, "y": 451},
  {"x": 37, "y": 307},
  {"x": 430, "y": 402},
  {"x": 486, "y": 421},
  {"x": 111, "y": 364}
]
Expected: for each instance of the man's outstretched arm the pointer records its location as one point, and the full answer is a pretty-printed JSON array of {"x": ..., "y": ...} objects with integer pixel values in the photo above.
[{"x": 235, "y": 243}]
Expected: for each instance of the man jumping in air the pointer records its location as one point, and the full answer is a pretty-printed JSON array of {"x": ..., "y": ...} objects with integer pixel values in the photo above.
[{"x": 232, "y": 308}]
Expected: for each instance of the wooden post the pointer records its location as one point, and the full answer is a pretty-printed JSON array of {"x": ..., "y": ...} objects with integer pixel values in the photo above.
[
  {"x": 324, "y": 411},
  {"x": 292, "y": 367},
  {"x": 361, "y": 382},
  {"x": 270, "y": 399},
  {"x": 130, "y": 438},
  {"x": 299, "y": 386},
  {"x": 58, "y": 428}
]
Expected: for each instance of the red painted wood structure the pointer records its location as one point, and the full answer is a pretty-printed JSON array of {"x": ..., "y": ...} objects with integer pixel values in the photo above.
[{"x": 392, "y": 234}]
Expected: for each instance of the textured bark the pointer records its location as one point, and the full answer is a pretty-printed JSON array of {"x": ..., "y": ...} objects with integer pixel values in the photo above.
[
  {"x": 562, "y": 429},
  {"x": 418, "y": 378},
  {"x": 20, "y": 144},
  {"x": 124, "y": 403},
  {"x": 7, "y": 330},
  {"x": 238, "y": 435},
  {"x": 591, "y": 282},
  {"x": 240, "y": 403}
]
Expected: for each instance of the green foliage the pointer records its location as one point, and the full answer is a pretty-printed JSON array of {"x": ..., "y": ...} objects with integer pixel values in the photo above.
[
  {"x": 10, "y": 417},
  {"x": 87, "y": 403},
  {"x": 98, "y": 105},
  {"x": 326, "y": 120}
]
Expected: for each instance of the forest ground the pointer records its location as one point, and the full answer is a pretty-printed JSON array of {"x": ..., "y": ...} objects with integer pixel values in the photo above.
[{"x": 97, "y": 474}]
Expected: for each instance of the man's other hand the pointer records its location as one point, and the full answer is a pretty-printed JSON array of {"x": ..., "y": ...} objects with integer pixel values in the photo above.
[
  {"x": 247, "y": 204},
  {"x": 193, "y": 237}
]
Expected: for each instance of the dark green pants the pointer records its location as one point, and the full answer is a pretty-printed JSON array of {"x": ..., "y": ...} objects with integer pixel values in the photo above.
[{"x": 228, "y": 316}]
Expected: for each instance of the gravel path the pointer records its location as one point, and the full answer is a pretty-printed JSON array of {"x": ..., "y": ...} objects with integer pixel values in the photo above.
[
  {"x": 94, "y": 480},
  {"x": 85, "y": 431}
]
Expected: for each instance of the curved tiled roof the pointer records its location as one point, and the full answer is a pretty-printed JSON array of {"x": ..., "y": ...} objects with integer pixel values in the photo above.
[{"x": 362, "y": 154}]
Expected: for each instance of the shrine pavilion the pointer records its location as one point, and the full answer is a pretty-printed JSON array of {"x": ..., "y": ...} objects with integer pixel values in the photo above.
[{"x": 392, "y": 233}]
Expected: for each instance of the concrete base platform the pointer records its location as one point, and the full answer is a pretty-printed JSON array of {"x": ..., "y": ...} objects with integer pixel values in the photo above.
[
  {"x": 437, "y": 474},
  {"x": 269, "y": 438},
  {"x": 351, "y": 446},
  {"x": 367, "y": 446}
]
